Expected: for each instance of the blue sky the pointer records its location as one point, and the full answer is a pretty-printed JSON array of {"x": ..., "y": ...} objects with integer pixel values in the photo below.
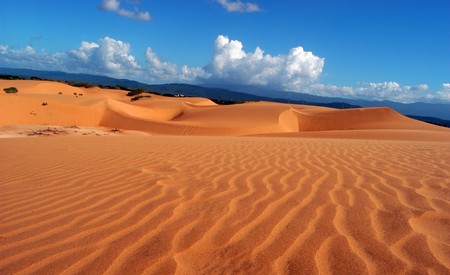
[{"x": 385, "y": 49}]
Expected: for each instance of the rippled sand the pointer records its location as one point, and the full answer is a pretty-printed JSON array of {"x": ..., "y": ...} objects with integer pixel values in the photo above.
[{"x": 221, "y": 205}]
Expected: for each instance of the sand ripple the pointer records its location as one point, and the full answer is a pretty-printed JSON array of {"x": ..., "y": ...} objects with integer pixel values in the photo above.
[{"x": 210, "y": 205}]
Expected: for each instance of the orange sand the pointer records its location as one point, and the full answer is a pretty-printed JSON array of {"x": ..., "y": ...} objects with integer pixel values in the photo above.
[
  {"x": 196, "y": 116},
  {"x": 318, "y": 191}
]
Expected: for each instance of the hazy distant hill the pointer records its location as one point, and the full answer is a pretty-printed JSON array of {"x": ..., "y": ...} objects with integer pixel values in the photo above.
[{"x": 244, "y": 93}]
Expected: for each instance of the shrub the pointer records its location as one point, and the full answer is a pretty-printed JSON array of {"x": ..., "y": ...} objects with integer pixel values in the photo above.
[
  {"x": 137, "y": 91},
  {"x": 10, "y": 90},
  {"x": 81, "y": 84},
  {"x": 60, "y": 93},
  {"x": 44, "y": 103},
  {"x": 139, "y": 97}
]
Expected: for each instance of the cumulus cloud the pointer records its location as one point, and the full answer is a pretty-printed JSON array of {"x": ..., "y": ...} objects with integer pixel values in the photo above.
[
  {"x": 238, "y": 6},
  {"x": 297, "y": 70},
  {"x": 232, "y": 64},
  {"x": 114, "y": 6},
  {"x": 159, "y": 70},
  {"x": 28, "y": 57},
  {"x": 85, "y": 51},
  {"x": 3, "y": 49},
  {"x": 108, "y": 56},
  {"x": 443, "y": 94}
]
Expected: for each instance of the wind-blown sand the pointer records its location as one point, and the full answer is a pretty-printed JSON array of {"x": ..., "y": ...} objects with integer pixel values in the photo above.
[{"x": 317, "y": 191}]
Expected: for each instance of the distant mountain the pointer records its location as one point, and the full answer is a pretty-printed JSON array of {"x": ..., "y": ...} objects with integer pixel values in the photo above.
[
  {"x": 433, "y": 120},
  {"x": 236, "y": 93},
  {"x": 55, "y": 75}
]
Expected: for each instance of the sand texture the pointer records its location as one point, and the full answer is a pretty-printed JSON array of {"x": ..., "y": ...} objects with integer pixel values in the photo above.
[
  {"x": 255, "y": 188},
  {"x": 205, "y": 205}
]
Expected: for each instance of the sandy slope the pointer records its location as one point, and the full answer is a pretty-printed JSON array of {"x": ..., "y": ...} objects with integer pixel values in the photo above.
[
  {"x": 68, "y": 106},
  {"x": 213, "y": 205},
  {"x": 318, "y": 191}
]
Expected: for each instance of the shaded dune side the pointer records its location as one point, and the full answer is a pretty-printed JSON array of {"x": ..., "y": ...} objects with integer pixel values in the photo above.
[
  {"x": 220, "y": 205},
  {"x": 325, "y": 119}
]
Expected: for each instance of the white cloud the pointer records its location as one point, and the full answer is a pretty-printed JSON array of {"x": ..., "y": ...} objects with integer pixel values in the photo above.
[
  {"x": 444, "y": 93},
  {"x": 381, "y": 91},
  {"x": 159, "y": 71},
  {"x": 109, "y": 56},
  {"x": 28, "y": 57},
  {"x": 297, "y": 70},
  {"x": 114, "y": 6},
  {"x": 85, "y": 51},
  {"x": 287, "y": 71},
  {"x": 3, "y": 49},
  {"x": 110, "y": 5},
  {"x": 239, "y": 6}
]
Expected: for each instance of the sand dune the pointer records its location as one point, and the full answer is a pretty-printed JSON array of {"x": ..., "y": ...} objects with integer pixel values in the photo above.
[
  {"x": 53, "y": 103},
  {"x": 255, "y": 188},
  {"x": 208, "y": 205}
]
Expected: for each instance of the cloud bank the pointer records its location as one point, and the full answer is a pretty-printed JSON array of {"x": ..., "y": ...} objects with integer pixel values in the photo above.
[
  {"x": 297, "y": 70},
  {"x": 238, "y": 6},
  {"x": 114, "y": 6},
  {"x": 232, "y": 64}
]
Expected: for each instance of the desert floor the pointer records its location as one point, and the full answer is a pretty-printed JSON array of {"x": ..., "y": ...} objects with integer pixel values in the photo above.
[{"x": 98, "y": 184}]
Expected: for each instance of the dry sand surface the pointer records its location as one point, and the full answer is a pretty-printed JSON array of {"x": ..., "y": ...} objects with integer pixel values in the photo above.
[
  {"x": 53, "y": 103},
  {"x": 255, "y": 188}
]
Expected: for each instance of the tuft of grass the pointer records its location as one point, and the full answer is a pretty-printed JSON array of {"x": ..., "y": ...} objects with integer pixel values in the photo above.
[
  {"x": 44, "y": 103},
  {"x": 10, "y": 90}
]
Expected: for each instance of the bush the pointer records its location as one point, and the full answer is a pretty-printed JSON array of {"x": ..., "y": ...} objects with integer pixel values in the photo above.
[
  {"x": 139, "y": 97},
  {"x": 137, "y": 91},
  {"x": 10, "y": 90},
  {"x": 44, "y": 103},
  {"x": 81, "y": 84}
]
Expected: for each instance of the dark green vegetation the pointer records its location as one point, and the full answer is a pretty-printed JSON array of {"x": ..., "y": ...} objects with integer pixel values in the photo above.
[
  {"x": 81, "y": 84},
  {"x": 138, "y": 91},
  {"x": 10, "y": 90},
  {"x": 139, "y": 97}
]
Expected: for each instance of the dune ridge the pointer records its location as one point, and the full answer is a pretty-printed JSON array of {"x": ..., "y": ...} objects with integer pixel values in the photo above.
[
  {"x": 94, "y": 107},
  {"x": 208, "y": 205}
]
